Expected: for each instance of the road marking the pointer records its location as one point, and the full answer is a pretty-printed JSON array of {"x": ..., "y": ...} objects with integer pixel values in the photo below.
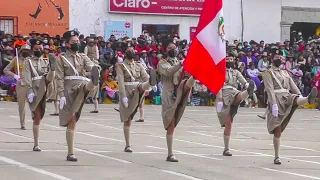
[
  {"x": 202, "y": 134},
  {"x": 26, "y": 166},
  {"x": 110, "y": 127},
  {"x": 181, "y": 175},
  {"x": 295, "y": 174},
  {"x": 185, "y": 153},
  {"x": 17, "y": 135},
  {"x": 100, "y": 137},
  {"x": 294, "y": 147},
  {"x": 104, "y": 156}
]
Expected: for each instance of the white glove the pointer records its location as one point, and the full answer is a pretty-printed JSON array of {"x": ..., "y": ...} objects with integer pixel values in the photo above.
[
  {"x": 63, "y": 102},
  {"x": 181, "y": 61},
  {"x": 219, "y": 106},
  {"x": 125, "y": 102},
  {"x": 275, "y": 110},
  {"x": 30, "y": 97},
  {"x": 16, "y": 77},
  {"x": 247, "y": 85},
  {"x": 154, "y": 88}
]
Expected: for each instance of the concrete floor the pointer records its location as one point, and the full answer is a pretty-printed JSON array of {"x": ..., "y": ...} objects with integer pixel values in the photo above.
[{"x": 198, "y": 145}]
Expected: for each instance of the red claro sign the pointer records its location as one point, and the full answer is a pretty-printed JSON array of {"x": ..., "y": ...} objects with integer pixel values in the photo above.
[
  {"x": 127, "y": 25},
  {"x": 163, "y": 7}
]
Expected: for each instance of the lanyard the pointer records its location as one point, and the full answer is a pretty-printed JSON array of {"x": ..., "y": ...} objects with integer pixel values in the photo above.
[{"x": 74, "y": 69}]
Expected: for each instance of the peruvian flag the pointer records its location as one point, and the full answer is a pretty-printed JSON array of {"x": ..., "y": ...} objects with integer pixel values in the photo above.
[{"x": 206, "y": 59}]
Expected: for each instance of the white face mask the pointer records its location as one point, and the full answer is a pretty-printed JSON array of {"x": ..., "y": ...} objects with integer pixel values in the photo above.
[
  {"x": 45, "y": 41},
  {"x": 120, "y": 60}
]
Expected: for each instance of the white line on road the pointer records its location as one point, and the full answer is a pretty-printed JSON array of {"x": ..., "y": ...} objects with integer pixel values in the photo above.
[
  {"x": 202, "y": 134},
  {"x": 100, "y": 137},
  {"x": 181, "y": 175},
  {"x": 26, "y": 166},
  {"x": 16, "y": 135},
  {"x": 185, "y": 153},
  {"x": 295, "y": 174}
]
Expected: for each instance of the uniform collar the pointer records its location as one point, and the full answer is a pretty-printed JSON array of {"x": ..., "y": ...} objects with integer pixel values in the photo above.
[
  {"x": 129, "y": 62},
  {"x": 70, "y": 54}
]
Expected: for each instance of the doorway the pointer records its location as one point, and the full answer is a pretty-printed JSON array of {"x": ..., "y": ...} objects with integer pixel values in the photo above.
[{"x": 307, "y": 29}]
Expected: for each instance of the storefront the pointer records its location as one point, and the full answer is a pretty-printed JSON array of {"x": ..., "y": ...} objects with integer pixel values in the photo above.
[{"x": 244, "y": 19}]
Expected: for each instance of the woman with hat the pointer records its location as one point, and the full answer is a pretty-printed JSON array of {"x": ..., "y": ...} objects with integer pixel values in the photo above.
[
  {"x": 72, "y": 86},
  {"x": 175, "y": 93},
  {"x": 290, "y": 64},
  {"x": 263, "y": 64},
  {"x": 283, "y": 99},
  {"x": 229, "y": 99},
  {"x": 133, "y": 82},
  {"x": 38, "y": 75},
  {"x": 14, "y": 70}
]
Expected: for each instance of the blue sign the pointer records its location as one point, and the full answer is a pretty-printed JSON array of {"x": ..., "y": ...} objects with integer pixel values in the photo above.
[{"x": 119, "y": 29}]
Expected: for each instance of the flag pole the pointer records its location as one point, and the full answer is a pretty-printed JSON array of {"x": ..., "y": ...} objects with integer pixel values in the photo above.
[{"x": 18, "y": 66}]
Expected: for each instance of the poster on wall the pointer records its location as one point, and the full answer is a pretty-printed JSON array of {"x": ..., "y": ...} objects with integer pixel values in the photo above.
[
  {"x": 193, "y": 31},
  {"x": 119, "y": 29},
  {"x": 43, "y": 16},
  {"x": 163, "y": 7}
]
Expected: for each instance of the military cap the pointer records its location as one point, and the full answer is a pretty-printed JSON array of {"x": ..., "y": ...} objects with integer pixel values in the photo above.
[
  {"x": 34, "y": 42},
  {"x": 68, "y": 34},
  {"x": 25, "y": 47}
]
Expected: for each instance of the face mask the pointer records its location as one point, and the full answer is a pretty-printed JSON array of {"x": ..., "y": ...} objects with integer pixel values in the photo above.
[
  {"x": 63, "y": 45},
  {"x": 277, "y": 62},
  {"x": 25, "y": 54},
  {"x": 230, "y": 65},
  {"x": 130, "y": 55},
  {"x": 173, "y": 53},
  {"x": 74, "y": 47},
  {"x": 45, "y": 41},
  {"x": 37, "y": 53},
  {"x": 120, "y": 60},
  {"x": 240, "y": 47}
]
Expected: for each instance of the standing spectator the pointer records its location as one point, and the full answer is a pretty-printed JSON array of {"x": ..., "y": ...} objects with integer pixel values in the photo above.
[
  {"x": 20, "y": 42},
  {"x": 249, "y": 58},
  {"x": 290, "y": 64},
  {"x": 296, "y": 75}
]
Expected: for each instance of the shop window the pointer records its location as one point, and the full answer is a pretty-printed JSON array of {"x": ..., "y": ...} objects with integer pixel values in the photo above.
[{"x": 162, "y": 29}]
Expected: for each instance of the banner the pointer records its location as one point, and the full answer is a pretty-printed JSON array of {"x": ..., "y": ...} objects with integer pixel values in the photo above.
[
  {"x": 119, "y": 29},
  {"x": 193, "y": 31},
  {"x": 164, "y": 7},
  {"x": 42, "y": 16}
]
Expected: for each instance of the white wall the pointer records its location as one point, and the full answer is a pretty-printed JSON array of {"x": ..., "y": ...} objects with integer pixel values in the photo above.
[
  {"x": 262, "y": 20},
  {"x": 302, "y": 3}
]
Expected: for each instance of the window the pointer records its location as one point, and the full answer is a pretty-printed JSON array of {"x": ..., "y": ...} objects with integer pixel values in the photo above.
[{"x": 8, "y": 24}]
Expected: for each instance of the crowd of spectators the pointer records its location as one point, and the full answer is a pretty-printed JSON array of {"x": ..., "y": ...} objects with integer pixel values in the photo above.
[{"x": 301, "y": 59}]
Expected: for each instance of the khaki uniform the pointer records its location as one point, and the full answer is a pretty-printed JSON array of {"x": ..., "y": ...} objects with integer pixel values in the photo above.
[
  {"x": 172, "y": 108},
  {"x": 95, "y": 92},
  {"x": 39, "y": 80},
  {"x": 129, "y": 83},
  {"x": 21, "y": 89},
  {"x": 283, "y": 93},
  {"x": 72, "y": 84},
  {"x": 228, "y": 94}
]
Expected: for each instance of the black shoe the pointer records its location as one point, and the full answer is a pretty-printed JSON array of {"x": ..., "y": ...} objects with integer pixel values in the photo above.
[
  {"x": 36, "y": 148},
  {"x": 172, "y": 158},
  {"x": 312, "y": 96},
  {"x": 277, "y": 161},
  {"x": 95, "y": 75},
  {"x": 262, "y": 117},
  {"x": 72, "y": 158},
  {"x": 227, "y": 153},
  {"x": 250, "y": 88},
  {"x": 54, "y": 114},
  {"x": 52, "y": 61},
  {"x": 95, "y": 111},
  {"x": 128, "y": 149},
  {"x": 116, "y": 109},
  {"x": 140, "y": 120},
  {"x": 23, "y": 128},
  {"x": 153, "y": 77}
]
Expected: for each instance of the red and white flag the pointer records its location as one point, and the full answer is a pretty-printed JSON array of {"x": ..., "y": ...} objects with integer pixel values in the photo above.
[{"x": 206, "y": 59}]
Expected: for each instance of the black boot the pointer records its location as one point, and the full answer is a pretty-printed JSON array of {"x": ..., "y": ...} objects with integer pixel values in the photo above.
[{"x": 35, "y": 15}]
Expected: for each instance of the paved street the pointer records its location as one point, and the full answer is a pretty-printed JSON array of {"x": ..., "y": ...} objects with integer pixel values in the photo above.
[{"x": 198, "y": 145}]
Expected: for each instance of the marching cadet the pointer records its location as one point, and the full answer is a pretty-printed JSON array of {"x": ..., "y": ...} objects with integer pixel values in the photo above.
[
  {"x": 72, "y": 86},
  {"x": 173, "y": 106},
  {"x": 283, "y": 99},
  {"x": 39, "y": 74},
  {"x": 14, "y": 69},
  {"x": 229, "y": 99},
  {"x": 133, "y": 81}
]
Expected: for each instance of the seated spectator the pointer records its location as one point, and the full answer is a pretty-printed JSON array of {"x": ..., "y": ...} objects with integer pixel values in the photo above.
[
  {"x": 263, "y": 64},
  {"x": 110, "y": 89},
  {"x": 105, "y": 61},
  {"x": 297, "y": 75},
  {"x": 109, "y": 49},
  {"x": 254, "y": 74},
  {"x": 201, "y": 91},
  {"x": 290, "y": 64},
  {"x": 249, "y": 58}
]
